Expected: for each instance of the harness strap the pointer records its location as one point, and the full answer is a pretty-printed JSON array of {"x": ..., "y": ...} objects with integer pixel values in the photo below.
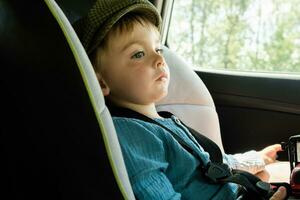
[{"x": 211, "y": 147}]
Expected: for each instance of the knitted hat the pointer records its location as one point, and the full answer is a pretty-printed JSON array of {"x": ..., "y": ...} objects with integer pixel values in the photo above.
[{"x": 92, "y": 28}]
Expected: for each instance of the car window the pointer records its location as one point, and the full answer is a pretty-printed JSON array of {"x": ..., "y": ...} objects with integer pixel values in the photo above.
[{"x": 247, "y": 35}]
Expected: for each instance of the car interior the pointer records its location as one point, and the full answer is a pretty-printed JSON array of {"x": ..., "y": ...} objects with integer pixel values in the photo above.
[{"x": 57, "y": 136}]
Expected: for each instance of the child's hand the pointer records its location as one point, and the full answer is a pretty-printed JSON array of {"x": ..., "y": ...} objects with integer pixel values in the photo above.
[
  {"x": 269, "y": 154},
  {"x": 280, "y": 194}
]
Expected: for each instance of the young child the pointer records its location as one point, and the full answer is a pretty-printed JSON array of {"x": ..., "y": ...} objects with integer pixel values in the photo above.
[{"x": 123, "y": 41}]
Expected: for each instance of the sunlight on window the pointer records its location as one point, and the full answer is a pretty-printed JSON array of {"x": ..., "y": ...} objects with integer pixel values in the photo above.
[{"x": 247, "y": 35}]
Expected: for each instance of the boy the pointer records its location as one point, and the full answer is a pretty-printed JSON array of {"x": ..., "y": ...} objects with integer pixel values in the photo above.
[{"x": 122, "y": 40}]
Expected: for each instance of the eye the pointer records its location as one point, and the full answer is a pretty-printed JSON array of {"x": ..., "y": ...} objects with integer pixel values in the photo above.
[
  {"x": 159, "y": 50},
  {"x": 138, "y": 55}
]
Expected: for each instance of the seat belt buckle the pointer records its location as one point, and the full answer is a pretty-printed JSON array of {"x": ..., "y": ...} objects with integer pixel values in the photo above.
[{"x": 217, "y": 171}]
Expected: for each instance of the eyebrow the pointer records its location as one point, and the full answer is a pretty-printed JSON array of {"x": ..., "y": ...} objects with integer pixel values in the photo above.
[
  {"x": 131, "y": 43},
  {"x": 137, "y": 42}
]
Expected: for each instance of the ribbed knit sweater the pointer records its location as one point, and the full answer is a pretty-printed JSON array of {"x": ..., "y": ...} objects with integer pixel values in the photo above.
[{"x": 159, "y": 167}]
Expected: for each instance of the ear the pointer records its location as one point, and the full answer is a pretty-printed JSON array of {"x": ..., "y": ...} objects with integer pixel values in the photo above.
[{"x": 104, "y": 87}]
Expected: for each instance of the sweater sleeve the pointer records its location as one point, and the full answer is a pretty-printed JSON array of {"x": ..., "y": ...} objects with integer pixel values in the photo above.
[
  {"x": 144, "y": 155},
  {"x": 249, "y": 161}
]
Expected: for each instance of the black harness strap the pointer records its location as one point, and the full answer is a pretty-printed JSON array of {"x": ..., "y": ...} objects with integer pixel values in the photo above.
[
  {"x": 216, "y": 171},
  {"x": 207, "y": 144}
]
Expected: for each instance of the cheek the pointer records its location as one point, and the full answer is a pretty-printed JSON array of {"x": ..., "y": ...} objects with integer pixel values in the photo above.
[
  {"x": 113, "y": 73},
  {"x": 140, "y": 81},
  {"x": 145, "y": 77}
]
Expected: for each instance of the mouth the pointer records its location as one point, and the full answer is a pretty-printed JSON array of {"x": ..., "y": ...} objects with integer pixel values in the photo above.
[{"x": 162, "y": 77}]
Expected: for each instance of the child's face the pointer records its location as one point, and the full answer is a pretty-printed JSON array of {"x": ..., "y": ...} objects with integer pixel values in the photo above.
[{"x": 133, "y": 68}]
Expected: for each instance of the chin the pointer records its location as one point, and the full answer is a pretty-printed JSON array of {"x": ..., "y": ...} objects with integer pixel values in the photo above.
[{"x": 161, "y": 96}]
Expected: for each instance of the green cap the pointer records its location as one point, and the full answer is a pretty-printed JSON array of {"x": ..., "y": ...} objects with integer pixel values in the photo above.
[{"x": 92, "y": 28}]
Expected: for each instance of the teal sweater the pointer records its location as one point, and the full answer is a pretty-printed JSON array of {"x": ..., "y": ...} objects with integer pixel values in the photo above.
[{"x": 160, "y": 168}]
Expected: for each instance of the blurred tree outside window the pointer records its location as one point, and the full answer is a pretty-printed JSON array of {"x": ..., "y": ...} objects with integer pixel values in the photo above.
[{"x": 244, "y": 35}]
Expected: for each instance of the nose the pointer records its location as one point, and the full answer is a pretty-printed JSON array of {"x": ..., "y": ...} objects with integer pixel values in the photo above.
[{"x": 159, "y": 60}]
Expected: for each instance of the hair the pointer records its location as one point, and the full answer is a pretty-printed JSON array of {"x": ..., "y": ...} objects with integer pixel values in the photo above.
[{"x": 124, "y": 24}]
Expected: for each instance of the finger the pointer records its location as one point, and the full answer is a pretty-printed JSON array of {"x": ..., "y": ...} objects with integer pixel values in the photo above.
[
  {"x": 277, "y": 147},
  {"x": 280, "y": 194}
]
